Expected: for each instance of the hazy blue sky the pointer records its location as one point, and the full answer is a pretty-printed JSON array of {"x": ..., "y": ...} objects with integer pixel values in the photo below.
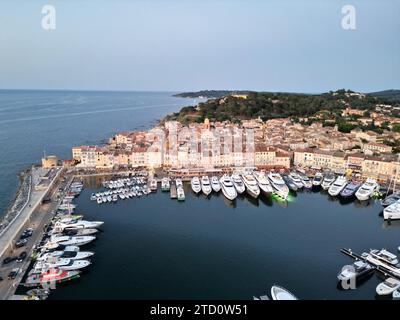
[{"x": 177, "y": 45}]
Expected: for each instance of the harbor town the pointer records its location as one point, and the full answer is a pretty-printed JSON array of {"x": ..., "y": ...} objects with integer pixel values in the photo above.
[{"x": 44, "y": 230}]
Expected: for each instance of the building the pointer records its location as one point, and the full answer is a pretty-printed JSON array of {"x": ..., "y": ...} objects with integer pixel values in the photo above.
[{"x": 49, "y": 161}]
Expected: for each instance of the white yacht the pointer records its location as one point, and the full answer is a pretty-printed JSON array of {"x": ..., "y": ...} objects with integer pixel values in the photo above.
[
  {"x": 296, "y": 179},
  {"x": 307, "y": 183},
  {"x": 77, "y": 224},
  {"x": 215, "y": 185},
  {"x": 73, "y": 255},
  {"x": 179, "y": 183},
  {"x": 195, "y": 183},
  {"x": 205, "y": 185},
  {"x": 263, "y": 183},
  {"x": 367, "y": 189},
  {"x": 251, "y": 184},
  {"x": 153, "y": 185},
  {"x": 228, "y": 188},
  {"x": 280, "y": 187},
  {"x": 180, "y": 193},
  {"x": 384, "y": 256},
  {"x": 62, "y": 264},
  {"x": 328, "y": 180},
  {"x": 392, "y": 212},
  {"x": 317, "y": 180},
  {"x": 165, "y": 184},
  {"x": 387, "y": 287},
  {"x": 72, "y": 241},
  {"x": 238, "y": 183},
  {"x": 339, "y": 184},
  {"x": 279, "y": 293}
]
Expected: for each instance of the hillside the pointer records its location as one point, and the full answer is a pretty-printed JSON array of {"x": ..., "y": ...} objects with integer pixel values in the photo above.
[{"x": 276, "y": 105}]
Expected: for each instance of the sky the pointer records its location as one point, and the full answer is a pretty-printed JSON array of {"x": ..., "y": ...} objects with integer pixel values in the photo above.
[{"x": 188, "y": 45}]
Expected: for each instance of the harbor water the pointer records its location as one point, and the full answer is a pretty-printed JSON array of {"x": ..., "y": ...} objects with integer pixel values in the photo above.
[
  {"x": 209, "y": 248},
  {"x": 204, "y": 248}
]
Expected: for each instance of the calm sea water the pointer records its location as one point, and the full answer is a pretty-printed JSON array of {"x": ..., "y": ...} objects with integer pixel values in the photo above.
[
  {"x": 208, "y": 248},
  {"x": 155, "y": 247},
  {"x": 32, "y": 122}
]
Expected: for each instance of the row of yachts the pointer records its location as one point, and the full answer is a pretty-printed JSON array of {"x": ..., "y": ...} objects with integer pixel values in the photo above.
[
  {"x": 259, "y": 182},
  {"x": 367, "y": 263},
  {"x": 58, "y": 256}
]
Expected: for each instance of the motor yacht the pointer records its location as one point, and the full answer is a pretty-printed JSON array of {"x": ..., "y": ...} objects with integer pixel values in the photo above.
[
  {"x": 77, "y": 224},
  {"x": 294, "y": 176},
  {"x": 251, "y": 184},
  {"x": 178, "y": 183},
  {"x": 357, "y": 270},
  {"x": 388, "y": 286},
  {"x": 238, "y": 183},
  {"x": 317, "y": 180},
  {"x": 384, "y": 256},
  {"x": 153, "y": 185},
  {"x": 307, "y": 183},
  {"x": 72, "y": 241},
  {"x": 50, "y": 276},
  {"x": 165, "y": 185},
  {"x": 263, "y": 183},
  {"x": 215, "y": 185},
  {"x": 61, "y": 263},
  {"x": 279, "y": 293},
  {"x": 227, "y": 187},
  {"x": 73, "y": 255},
  {"x": 329, "y": 178},
  {"x": 79, "y": 232},
  {"x": 350, "y": 189},
  {"x": 289, "y": 182},
  {"x": 339, "y": 184},
  {"x": 279, "y": 185},
  {"x": 367, "y": 189},
  {"x": 205, "y": 185},
  {"x": 195, "y": 183},
  {"x": 180, "y": 194},
  {"x": 389, "y": 200},
  {"x": 392, "y": 212}
]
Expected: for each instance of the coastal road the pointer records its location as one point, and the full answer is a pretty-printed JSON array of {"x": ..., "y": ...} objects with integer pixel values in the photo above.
[{"x": 41, "y": 216}]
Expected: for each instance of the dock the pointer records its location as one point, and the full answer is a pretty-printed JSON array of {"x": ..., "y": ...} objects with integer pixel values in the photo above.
[
  {"x": 386, "y": 270},
  {"x": 173, "y": 192}
]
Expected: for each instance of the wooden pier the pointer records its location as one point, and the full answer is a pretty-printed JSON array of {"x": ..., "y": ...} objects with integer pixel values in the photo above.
[{"x": 173, "y": 192}]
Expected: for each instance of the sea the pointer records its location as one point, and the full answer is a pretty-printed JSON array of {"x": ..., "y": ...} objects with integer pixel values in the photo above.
[{"x": 154, "y": 247}]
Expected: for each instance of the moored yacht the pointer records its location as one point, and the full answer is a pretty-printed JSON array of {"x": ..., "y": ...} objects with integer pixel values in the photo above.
[
  {"x": 329, "y": 178},
  {"x": 350, "y": 190},
  {"x": 289, "y": 182},
  {"x": 61, "y": 263},
  {"x": 251, "y": 184},
  {"x": 367, "y": 189},
  {"x": 178, "y": 183},
  {"x": 180, "y": 194},
  {"x": 238, "y": 183},
  {"x": 317, "y": 180},
  {"x": 165, "y": 185},
  {"x": 263, "y": 183},
  {"x": 77, "y": 224},
  {"x": 195, "y": 183},
  {"x": 215, "y": 185},
  {"x": 73, "y": 255},
  {"x": 388, "y": 286},
  {"x": 389, "y": 200},
  {"x": 357, "y": 270},
  {"x": 228, "y": 188},
  {"x": 296, "y": 179},
  {"x": 72, "y": 241},
  {"x": 153, "y": 185},
  {"x": 279, "y": 293},
  {"x": 339, "y": 184},
  {"x": 392, "y": 212},
  {"x": 280, "y": 187},
  {"x": 205, "y": 185},
  {"x": 384, "y": 256},
  {"x": 50, "y": 276},
  {"x": 307, "y": 183}
]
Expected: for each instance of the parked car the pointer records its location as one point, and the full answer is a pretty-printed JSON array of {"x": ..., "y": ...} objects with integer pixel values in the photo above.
[
  {"x": 9, "y": 259},
  {"x": 21, "y": 242},
  {"x": 22, "y": 256},
  {"x": 27, "y": 233},
  {"x": 13, "y": 274}
]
